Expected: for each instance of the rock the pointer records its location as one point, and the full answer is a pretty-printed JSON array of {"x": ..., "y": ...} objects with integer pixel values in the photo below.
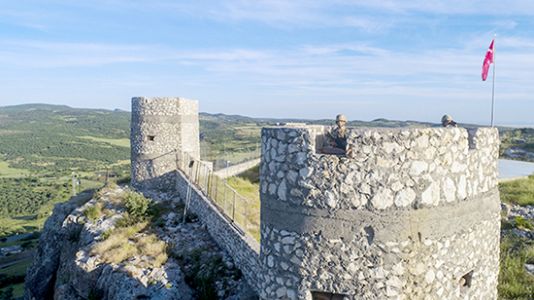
[
  {"x": 292, "y": 176},
  {"x": 282, "y": 191},
  {"x": 430, "y": 276},
  {"x": 530, "y": 268},
  {"x": 417, "y": 168},
  {"x": 64, "y": 267},
  {"x": 382, "y": 199},
  {"x": 431, "y": 195},
  {"x": 405, "y": 197},
  {"x": 449, "y": 190},
  {"x": 330, "y": 199}
]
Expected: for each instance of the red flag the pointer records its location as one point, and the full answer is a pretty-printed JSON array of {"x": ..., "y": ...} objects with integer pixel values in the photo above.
[{"x": 488, "y": 60}]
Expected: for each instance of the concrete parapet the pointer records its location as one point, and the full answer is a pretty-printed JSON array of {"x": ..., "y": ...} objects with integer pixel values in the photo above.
[{"x": 413, "y": 213}]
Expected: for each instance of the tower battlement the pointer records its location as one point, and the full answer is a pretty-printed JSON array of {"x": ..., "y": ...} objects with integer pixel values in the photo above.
[{"x": 411, "y": 213}]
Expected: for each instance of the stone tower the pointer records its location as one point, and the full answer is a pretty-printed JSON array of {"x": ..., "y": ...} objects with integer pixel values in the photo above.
[
  {"x": 412, "y": 214},
  {"x": 162, "y": 128}
]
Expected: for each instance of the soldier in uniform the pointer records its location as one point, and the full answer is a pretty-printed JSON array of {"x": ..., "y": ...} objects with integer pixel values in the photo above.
[
  {"x": 336, "y": 138},
  {"x": 446, "y": 121}
]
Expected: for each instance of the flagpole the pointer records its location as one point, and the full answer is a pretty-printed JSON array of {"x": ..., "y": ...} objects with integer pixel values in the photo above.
[{"x": 493, "y": 85}]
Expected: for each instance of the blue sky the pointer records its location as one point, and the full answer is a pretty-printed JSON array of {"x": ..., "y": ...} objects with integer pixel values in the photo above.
[{"x": 399, "y": 60}]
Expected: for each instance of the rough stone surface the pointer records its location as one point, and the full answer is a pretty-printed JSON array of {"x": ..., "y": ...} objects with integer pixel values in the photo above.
[
  {"x": 243, "y": 249},
  {"x": 66, "y": 267},
  {"x": 163, "y": 129},
  {"x": 405, "y": 217},
  {"x": 79, "y": 274}
]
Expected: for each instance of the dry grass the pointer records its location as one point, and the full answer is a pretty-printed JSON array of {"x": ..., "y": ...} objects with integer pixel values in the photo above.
[
  {"x": 109, "y": 192},
  {"x": 126, "y": 242},
  {"x": 154, "y": 248},
  {"x": 93, "y": 212}
]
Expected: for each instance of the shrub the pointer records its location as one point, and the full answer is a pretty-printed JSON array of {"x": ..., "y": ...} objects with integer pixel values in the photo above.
[
  {"x": 93, "y": 212},
  {"x": 521, "y": 222},
  {"x": 136, "y": 205},
  {"x": 126, "y": 221},
  {"x": 106, "y": 234},
  {"x": 124, "y": 180}
]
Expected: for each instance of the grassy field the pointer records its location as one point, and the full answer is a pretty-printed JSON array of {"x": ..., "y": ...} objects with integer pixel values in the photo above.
[
  {"x": 248, "y": 206},
  {"x": 116, "y": 142},
  {"x": 520, "y": 191},
  {"x": 514, "y": 281},
  {"x": 7, "y": 171}
]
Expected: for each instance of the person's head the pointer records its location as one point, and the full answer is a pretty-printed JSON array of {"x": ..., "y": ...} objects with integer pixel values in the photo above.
[
  {"x": 446, "y": 120},
  {"x": 341, "y": 120}
]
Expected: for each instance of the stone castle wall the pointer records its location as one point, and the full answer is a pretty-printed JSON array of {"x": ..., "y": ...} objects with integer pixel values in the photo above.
[
  {"x": 237, "y": 169},
  {"x": 243, "y": 249},
  {"x": 413, "y": 213},
  {"x": 161, "y": 129}
]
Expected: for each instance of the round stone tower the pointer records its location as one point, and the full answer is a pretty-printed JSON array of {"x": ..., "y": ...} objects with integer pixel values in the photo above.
[
  {"x": 162, "y": 129},
  {"x": 411, "y": 214}
]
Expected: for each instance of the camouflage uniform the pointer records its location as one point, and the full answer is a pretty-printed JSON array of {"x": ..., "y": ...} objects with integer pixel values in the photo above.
[
  {"x": 446, "y": 121},
  {"x": 336, "y": 137}
]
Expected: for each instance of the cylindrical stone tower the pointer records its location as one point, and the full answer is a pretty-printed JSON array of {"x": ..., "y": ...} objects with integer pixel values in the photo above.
[
  {"x": 162, "y": 128},
  {"x": 412, "y": 214}
]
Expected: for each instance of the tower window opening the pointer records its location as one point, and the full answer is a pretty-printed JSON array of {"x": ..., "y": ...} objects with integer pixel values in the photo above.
[
  {"x": 151, "y": 138},
  {"x": 466, "y": 280},
  {"x": 327, "y": 296}
]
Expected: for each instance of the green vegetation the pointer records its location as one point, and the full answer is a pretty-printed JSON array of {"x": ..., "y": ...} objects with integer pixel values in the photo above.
[
  {"x": 132, "y": 236},
  {"x": 520, "y": 138},
  {"x": 245, "y": 188},
  {"x": 523, "y": 223},
  {"x": 205, "y": 274},
  {"x": 7, "y": 171},
  {"x": 116, "y": 142},
  {"x": 93, "y": 212},
  {"x": 519, "y": 191},
  {"x": 41, "y": 145},
  {"x": 137, "y": 205},
  {"x": 514, "y": 281},
  {"x": 23, "y": 196},
  {"x": 247, "y": 207}
]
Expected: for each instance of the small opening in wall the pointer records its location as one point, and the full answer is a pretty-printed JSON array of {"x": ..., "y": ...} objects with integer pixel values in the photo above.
[
  {"x": 151, "y": 137},
  {"x": 327, "y": 296},
  {"x": 466, "y": 280}
]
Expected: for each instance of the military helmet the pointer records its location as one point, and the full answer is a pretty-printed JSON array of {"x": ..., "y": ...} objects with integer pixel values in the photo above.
[
  {"x": 446, "y": 119},
  {"x": 341, "y": 117}
]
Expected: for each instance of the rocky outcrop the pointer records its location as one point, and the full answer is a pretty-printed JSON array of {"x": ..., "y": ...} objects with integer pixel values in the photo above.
[
  {"x": 41, "y": 276},
  {"x": 74, "y": 259}
]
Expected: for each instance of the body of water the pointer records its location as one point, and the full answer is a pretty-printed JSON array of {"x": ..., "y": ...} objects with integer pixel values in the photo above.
[{"x": 514, "y": 168}]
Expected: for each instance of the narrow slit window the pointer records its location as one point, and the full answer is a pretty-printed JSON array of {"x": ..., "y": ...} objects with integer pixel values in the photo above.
[
  {"x": 466, "y": 280},
  {"x": 327, "y": 296}
]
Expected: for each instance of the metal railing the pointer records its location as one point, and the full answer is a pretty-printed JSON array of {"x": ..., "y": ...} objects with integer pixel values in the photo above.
[{"x": 239, "y": 210}]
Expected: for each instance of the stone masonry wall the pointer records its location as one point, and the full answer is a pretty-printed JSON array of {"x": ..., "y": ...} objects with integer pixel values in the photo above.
[
  {"x": 242, "y": 248},
  {"x": 161, "y": 129},
  {"x": 237, "y": 169},
  {"x": 413, "y": 214}
]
